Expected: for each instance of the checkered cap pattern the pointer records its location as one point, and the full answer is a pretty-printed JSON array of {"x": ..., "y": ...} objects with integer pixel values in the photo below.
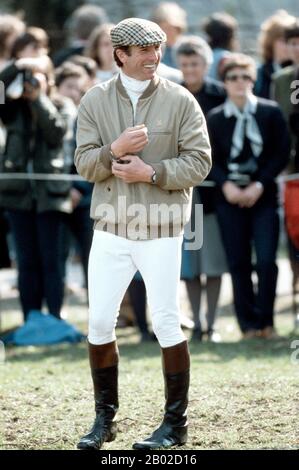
[{"x": 136, "y": 32}]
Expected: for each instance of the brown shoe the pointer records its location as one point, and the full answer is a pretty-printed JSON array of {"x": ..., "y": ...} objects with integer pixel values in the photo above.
[
  {"x": 269, "y": 333},
  {"x": 250, "y": 334}
]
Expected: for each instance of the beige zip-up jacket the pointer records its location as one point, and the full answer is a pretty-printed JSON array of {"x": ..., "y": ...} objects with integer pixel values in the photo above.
[{"x": 178, "y": 149}]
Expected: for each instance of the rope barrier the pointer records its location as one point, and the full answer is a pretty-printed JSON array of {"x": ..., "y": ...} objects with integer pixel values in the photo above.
[{"x": 67, "y": 177}]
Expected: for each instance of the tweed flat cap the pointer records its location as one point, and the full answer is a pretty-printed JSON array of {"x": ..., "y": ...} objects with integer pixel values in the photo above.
[{"x": 136, "y": 32}]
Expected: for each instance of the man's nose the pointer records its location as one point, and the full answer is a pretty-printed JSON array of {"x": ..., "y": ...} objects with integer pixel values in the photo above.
[{"x": 154, "y": 54}]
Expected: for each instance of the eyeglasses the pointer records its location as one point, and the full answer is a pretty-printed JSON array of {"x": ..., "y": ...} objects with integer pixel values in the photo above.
[{"x": 235, "y": 77}]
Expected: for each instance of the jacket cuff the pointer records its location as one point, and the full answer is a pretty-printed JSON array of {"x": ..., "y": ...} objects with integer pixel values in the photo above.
[
  {"x": 160, "y": 172},
  {"x": 104, "y": 156},
  {"x": 9, "y": 73}
]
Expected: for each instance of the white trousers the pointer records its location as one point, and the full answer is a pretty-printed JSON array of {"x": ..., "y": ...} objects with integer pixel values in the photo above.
[{"x": 113, "y": 261}]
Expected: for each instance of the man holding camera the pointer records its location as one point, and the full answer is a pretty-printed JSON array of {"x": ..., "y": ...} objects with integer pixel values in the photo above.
[
  {"x": 35, "y": 122},
  {"x": 143, "y": 141}
]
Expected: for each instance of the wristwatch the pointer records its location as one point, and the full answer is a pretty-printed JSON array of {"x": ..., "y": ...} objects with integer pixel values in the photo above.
[{"x": 154, "y": 177}]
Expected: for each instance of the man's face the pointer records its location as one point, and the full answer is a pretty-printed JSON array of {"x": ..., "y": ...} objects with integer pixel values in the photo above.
[
  {"x": 193, "y": 68},
  {"x": 142, "y": 62},
  {"x": 293, "y": 48},
  {"x": 73, "y": 88}
]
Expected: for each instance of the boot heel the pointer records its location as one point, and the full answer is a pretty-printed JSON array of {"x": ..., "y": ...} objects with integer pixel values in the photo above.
[
  {"x": 111, "y": 437},
  {"x": 112, "y": 433}
]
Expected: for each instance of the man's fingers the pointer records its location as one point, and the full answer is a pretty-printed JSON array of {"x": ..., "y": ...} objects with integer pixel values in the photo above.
[
  {"x": 125, "y": 158},
  {"x": 118, "y": 166},
  {"x": 137, "y": 135},
  {"x": 134, "y": 128},
  {"x": 139, "y": 140},
  {"x": 128, "y": 157},
  {"x": 117, "y": 172}
]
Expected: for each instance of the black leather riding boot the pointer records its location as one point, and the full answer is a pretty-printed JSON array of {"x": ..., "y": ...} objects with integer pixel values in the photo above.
[
  {"x": 174, "y": 428},
  {"x": 104, "y": 371}
]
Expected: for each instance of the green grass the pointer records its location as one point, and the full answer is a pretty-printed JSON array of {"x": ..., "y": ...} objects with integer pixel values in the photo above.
[{"x": 242, "y": 396}]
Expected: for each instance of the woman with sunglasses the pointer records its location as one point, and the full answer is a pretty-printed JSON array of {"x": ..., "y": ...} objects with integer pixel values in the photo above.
[{"x": 250, "y": 147}]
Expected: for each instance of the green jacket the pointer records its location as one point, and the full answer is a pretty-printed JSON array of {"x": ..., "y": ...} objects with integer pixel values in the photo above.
[
  {"x": 178, "y": 149},
  {"x": 34, "y": 144},
  {"x": 282, "y": 89}
]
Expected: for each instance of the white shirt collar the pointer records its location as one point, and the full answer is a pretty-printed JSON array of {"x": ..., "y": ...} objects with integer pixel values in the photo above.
[{"x": 133, "y": 85}]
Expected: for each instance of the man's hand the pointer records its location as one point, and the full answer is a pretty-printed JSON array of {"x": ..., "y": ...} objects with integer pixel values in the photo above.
[
  {"x": 131, "y": 141},
  {"x": 136, "y": 171},
  {"x": 76, "y": 197},
  {"x": 232, "y": 192},
  {"x": 250, "y": 195}
]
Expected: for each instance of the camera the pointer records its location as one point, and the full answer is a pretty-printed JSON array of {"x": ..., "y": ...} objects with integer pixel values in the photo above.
[{"x": 29, "y": 78}]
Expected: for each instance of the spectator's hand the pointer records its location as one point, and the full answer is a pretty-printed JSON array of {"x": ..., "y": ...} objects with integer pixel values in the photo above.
[
  {"x": 232, "y": 192},
  {"x": 136, "y": 171},
  {"x": 76, "y": 197},
  {"x": 35, "y": 64},
  {"x": 250, "y": 195},
  {"x": 131, "y": 141}
]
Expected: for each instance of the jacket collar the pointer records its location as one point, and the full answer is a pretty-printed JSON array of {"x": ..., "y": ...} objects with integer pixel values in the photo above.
[{"x": 147, "y": 92}]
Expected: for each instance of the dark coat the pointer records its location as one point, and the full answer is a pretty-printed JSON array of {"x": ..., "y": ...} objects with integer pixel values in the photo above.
[
  {"x": 34, "y": 144},
  {"x": 211, "y": 95},
  {"x": 275, "y": 155}
]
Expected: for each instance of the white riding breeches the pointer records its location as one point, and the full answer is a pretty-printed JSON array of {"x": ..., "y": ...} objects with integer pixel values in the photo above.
[{"x": 113, "y": 261}]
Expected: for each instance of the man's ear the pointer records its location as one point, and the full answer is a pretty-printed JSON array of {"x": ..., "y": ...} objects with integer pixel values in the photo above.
[{"x": 122, "y": 56}]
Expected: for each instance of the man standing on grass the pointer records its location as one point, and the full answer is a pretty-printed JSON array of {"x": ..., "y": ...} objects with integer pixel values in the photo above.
[{"x": 143, "y": 141}]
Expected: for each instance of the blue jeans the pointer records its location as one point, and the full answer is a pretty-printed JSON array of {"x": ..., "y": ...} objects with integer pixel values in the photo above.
[
  {"x": 38, "y": 247},
  {"x": 80, "y": 225}
]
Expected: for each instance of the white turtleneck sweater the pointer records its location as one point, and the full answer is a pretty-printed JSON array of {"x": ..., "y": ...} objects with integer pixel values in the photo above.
[{"x": 133, "y": 87}]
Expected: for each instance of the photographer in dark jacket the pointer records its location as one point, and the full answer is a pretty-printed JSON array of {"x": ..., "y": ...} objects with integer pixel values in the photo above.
[
  {"x": 35, "y": 120},
  {"x": 250, "y": 148}
]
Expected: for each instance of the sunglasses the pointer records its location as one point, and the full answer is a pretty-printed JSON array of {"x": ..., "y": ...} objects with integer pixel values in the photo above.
[{"x": 235, "y": 77}]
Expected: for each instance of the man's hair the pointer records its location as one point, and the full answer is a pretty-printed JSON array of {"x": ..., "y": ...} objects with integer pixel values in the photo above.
[
  {"x": 69, "y": 70},
  {"x": 9, "y": 25},
  {"x": 23, "y": 41},
  {"x": 171, "y": 13},
  {"x": 239, "y": 61},
  {"x": 194, "y": 45},
  {"x": 87, "y": 63},
  {"x": 40, "y": 35},
  {"x": 84, "y": 19},
  {"x": 272, "y": 29},
  {"x": 220, "y": 29},
  {"x": 292, "y": 31},
  {"x": 126, "y": 49}
]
